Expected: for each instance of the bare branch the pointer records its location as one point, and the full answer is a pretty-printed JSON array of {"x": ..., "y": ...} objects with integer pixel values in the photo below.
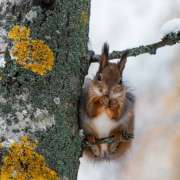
[{"x": 168, "y": 40}]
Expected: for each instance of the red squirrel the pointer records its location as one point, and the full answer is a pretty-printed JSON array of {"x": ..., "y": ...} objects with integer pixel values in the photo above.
[{"x": 107, "y": 109}]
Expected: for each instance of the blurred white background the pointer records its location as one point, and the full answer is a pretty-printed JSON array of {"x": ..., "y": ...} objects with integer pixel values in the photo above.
[{"x": 155, "y": 80}]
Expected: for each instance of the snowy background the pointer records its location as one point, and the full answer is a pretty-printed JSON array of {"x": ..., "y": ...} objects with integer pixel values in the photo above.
[{"x": 155, "y": 80}]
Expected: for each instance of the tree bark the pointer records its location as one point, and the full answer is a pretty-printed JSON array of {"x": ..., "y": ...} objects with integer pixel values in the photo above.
[{"x": 48, "y": 105}]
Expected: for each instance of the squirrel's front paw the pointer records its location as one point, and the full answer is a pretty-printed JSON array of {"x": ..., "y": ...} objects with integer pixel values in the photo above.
[
  {"x": 104, "y": 100},
  {"x": 113, "y": 104},
  {"x": 91, "y": 139}
]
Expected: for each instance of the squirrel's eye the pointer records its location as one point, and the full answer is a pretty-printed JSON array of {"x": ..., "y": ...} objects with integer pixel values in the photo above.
[
  {"x": 99, "y": 77},
  {"x": 120, "y": 81}
]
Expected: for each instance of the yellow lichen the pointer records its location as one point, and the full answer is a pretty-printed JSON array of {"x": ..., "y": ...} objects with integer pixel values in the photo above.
[
  {"x": 34, "y": 55},
  {"x": 19, "y": 33},
  {"x": 21, "y": 52},
  {"x": 24, "y": 163},
  {"x": 84, "y": 18}
]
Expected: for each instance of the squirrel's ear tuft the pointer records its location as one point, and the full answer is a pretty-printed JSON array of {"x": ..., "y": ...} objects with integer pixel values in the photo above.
[
  {"x": 122, "y": 62},
  {"x": 104, "y": 56},
  {"x": 105, "y": 50}
]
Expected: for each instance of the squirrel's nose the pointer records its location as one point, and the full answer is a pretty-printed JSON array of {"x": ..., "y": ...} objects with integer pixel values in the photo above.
[{"x": 107, "y": 92}]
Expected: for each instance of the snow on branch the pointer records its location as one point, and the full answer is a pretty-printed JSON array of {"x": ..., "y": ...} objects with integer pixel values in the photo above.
[
  {"x": 168, "y": 40},
  {"x": 172, "y": 26}
]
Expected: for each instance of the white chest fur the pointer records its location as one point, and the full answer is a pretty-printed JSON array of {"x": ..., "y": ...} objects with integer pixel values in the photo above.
[{"x": 104, "y": 125}]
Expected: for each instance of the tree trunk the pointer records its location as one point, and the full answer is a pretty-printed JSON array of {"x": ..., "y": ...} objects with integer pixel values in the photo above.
[{"x": 46, "y": 107}]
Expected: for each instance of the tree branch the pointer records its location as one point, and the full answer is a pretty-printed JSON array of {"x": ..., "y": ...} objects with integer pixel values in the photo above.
[
  {"x": 168, "y": 40},
  {"x": 125, "y": 137}
]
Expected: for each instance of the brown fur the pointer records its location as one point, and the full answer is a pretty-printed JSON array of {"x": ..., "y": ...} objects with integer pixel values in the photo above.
[
  {"x": 96, "y": 103},
  {"x": 121, "y": 148},
  {"x": 107, "y": 94}
]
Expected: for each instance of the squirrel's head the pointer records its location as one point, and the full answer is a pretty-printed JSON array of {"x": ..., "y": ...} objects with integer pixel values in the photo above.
[{"x": 110, "y": 73}]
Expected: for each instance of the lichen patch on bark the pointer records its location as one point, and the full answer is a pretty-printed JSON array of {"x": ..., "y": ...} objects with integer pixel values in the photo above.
[{"x": 22, "y": 118}]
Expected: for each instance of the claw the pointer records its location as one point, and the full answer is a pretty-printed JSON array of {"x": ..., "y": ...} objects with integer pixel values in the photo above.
[{"x": 91, "y": 139}]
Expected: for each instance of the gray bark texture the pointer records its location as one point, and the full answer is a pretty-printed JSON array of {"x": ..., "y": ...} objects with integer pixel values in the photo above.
[{"x": 63, "y": 25}]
